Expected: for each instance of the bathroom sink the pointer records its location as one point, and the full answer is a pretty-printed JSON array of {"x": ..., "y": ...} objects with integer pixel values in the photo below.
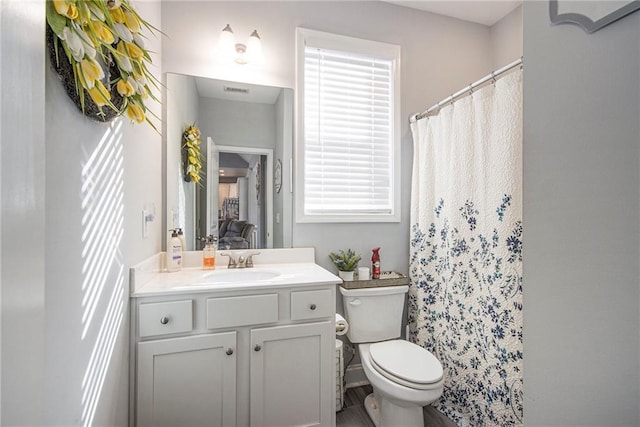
[{"x": 240, "y": 276}]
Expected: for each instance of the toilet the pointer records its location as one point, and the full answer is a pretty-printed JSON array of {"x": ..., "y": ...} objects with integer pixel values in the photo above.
[{"x": 404, "y": 376}]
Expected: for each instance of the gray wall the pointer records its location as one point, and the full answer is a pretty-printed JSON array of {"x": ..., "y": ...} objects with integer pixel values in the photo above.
[
  {"x": 181, "y": 102},
  {"x": 581, "y": 216},
  {"x": 506, "y": 39},
  {"x": 243, "y": 124}
]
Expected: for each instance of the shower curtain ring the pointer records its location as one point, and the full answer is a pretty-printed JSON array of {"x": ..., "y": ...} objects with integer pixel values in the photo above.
[
  {"x": 493, "y": 77},
  {"x": 471, "y": 89}
]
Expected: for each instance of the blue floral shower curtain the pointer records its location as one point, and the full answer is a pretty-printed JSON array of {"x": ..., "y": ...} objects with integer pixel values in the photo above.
[{"x": 465, "y": 298}]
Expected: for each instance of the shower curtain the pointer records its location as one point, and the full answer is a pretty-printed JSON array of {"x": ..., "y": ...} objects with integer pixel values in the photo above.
[{"x": 465, "y": 297}]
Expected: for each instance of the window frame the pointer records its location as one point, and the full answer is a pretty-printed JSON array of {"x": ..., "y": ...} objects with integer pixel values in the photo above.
[{"x": 337, "y": 42}]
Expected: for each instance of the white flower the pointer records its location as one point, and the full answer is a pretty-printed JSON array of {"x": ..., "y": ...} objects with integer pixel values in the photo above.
[
  {"x": 89, "y": 49},
  {"x": 123, "y": 32},
  {"x": 74, "y": 43},
  {"x": 138, "y": 40}
]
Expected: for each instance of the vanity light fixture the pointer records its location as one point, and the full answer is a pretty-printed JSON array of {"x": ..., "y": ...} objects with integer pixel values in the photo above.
[{"x": 250, "y": 53}]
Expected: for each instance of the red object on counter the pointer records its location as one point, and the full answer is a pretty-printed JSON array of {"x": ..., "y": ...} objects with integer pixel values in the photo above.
[{"x": 375, "y": 263}]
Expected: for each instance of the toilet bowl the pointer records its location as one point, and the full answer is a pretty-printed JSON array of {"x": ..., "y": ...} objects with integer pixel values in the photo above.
[
  {"x": 397, "y": 400},
  {"x": 404, "y": 376}
]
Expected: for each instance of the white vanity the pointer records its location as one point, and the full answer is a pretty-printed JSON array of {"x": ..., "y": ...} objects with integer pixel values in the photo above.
[{"x": 243, "y": 347}]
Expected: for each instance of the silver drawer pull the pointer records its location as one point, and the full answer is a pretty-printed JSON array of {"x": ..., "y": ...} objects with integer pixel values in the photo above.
[
  {"x": 312, "y": 306},
  {"x": 229, "y": 351},
  {"x": 164, "y": 320},
  {"x": 257, "y": 347}
]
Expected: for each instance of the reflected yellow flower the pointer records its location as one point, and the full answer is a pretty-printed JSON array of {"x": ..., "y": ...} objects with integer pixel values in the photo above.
[
  {"x": 100, "y": 94},
  {"x": 66, "y": 8},
  {"x": 135, "y": 112},
  {"x": 125, "y": 88}
]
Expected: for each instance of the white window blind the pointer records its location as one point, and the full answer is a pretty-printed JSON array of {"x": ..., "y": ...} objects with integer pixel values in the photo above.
[{"x": 348, "y": 133}]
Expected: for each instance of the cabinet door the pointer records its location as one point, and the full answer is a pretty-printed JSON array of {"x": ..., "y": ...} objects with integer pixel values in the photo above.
[
  {"x": 189, "y": 381},
  {"x": 292, "y": 375}
]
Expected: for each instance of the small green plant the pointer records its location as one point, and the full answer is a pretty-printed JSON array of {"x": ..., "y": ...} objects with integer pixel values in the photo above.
[{"x": 345, "y": 261}]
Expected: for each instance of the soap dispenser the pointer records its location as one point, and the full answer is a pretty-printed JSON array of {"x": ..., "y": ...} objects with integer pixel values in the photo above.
[
  {"x": 209, "y": 253},
  {"x": 182, "y": 240},
  {"x": 174, "y": 252}
]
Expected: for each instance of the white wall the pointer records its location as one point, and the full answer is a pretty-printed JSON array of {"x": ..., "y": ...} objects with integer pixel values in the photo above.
[
  {"x": 22, "y": 217},
  {"x": 506, "y": 39},
  {"x": 439, "y": 56},
  {"x": 581, "y": 216},
  {"x": 98, "y": 178}
]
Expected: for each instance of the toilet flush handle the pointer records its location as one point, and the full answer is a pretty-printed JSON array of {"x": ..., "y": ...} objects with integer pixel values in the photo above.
[{"x": 355, "y": 301}]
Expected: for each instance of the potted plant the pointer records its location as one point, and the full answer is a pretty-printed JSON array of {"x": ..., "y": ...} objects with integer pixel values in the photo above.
[{"x": 346, "y": 262}]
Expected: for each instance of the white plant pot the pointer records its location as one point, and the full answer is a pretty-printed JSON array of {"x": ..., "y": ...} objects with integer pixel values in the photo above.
[{"x": 347, "y": 276}]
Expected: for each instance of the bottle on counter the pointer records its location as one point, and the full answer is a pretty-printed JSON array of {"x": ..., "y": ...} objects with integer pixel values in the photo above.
[
  {"x": 375, "y": 263},
  {"x": 174, "y": 252},
  {"x": 209, "y": 253}
]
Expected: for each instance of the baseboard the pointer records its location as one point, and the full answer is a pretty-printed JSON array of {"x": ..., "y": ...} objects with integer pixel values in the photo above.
[{"x": 354, "y": 376}]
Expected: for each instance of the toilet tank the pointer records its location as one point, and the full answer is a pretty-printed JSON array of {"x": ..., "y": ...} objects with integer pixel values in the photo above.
[{"x": 373, "y": 314}]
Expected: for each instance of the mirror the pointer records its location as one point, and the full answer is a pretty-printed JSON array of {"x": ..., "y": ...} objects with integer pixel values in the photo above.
[{"x": 246, "y": 131}]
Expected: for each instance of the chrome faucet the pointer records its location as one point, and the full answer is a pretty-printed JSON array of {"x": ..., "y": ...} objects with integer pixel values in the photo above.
[{"x": 244, "y": 259}]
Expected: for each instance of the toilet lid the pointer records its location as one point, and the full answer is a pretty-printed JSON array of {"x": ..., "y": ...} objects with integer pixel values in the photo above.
[{"x": 405, "y": 363}]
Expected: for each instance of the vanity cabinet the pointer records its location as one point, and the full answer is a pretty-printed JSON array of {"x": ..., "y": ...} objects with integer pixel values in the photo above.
[
  {"x": 188, "y": 381},
  {"x": 235, "y": 358},
  {"x": 289, "y": 381}
]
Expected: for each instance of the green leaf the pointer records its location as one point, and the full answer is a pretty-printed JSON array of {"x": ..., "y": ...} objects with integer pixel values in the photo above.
[{"x": 56, "y": 21}]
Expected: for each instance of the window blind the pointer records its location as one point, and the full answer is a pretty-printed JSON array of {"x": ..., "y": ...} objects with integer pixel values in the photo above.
[{"x": 348, "y": 133}]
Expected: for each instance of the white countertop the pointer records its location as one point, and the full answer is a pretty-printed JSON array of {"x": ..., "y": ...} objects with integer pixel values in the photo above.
[{"x": 302, "y": 272}]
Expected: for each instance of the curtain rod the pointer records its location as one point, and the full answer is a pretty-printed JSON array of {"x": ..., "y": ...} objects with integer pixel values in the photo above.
[{"x": 467, "y": 91}]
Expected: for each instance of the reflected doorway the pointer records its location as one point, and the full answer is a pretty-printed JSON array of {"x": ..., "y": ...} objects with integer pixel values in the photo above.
[{"x": 237, "y": 202}]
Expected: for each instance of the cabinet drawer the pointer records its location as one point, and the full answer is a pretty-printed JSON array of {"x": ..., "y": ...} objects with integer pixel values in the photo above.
[
  {"x": 311, "y": 304},
  {"x": 165, "y": 318},
  {"x": 240, "y": 311}
]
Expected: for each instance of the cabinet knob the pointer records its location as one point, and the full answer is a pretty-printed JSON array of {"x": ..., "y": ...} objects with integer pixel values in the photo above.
[
  {"x": 229, "y": 351},
  {"x": 164, "y": 320},
  {"x": 312, "y": 306},
  {"x": 257, "y": 347}
]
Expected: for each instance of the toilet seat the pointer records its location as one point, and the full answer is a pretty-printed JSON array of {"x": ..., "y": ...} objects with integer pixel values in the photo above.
[{"x": 406, "y": 363}]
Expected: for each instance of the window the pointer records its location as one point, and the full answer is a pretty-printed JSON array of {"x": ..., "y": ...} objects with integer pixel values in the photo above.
[{"x": 348, "y": 153}]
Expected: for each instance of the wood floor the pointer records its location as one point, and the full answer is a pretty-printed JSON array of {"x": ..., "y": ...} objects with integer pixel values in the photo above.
[{"x": 354, "y": 415}]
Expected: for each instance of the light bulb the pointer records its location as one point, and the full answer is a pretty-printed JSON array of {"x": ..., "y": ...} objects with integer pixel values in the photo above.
[
  {"x": 254, "y": 49},
  {"x": 227, "y": 43}
]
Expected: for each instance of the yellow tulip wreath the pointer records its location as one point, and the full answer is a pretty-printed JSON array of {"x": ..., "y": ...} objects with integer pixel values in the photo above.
[{"x": 104, "y": 60}]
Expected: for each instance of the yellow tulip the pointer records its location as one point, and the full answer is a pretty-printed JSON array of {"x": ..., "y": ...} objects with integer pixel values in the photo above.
[
  {"x": 100, "y": 94},
  {"x": 134, "y": 51},
  {"x": 132, "y": 22},
  {"x": 112, "y": 4},
  {"x": 135, "y": 112},
  {"x": 117, "y": 14},
  {"x": 90, "y": 72},
  {"x": 103, "y": 32},
  {"x": 66, "y": 8},
  {"x": 125, "y": 88}
]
